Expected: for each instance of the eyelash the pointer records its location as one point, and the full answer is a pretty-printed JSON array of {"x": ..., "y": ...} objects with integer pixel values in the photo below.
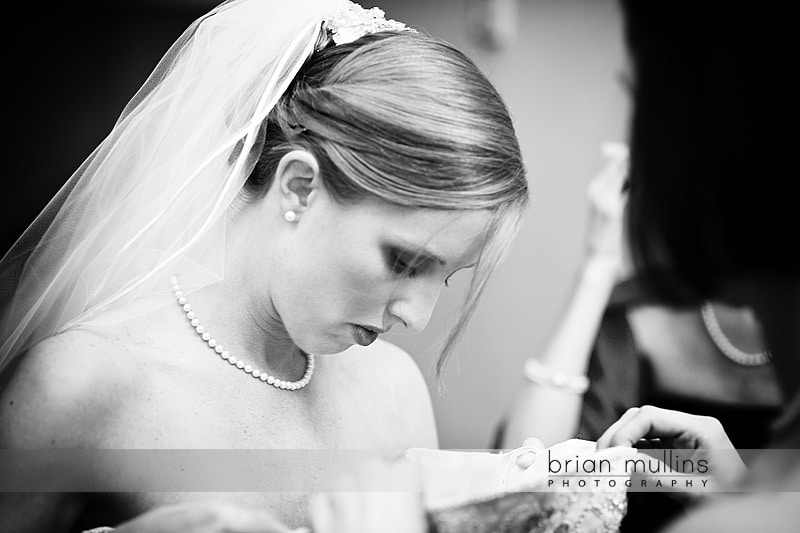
[{"x": 399, "y": 266}]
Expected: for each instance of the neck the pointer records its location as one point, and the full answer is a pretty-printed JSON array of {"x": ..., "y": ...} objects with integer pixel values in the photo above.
[
  {"x": 740, "y": 326},
  {"x": 238, "y": 311},
  {"x": 232, "y": 316}
]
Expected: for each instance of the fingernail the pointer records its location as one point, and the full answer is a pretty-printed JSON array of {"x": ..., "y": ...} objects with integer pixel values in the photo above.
[{"x": 525, "y": 460}]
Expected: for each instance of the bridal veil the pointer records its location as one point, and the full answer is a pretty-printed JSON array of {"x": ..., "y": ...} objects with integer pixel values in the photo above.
[{"x": 152, "y": 197}]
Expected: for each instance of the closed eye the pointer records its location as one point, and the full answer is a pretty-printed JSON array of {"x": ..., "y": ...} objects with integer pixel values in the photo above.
[
  {"x": 401, "y": 266},
  {"x": 405, "y": 263}
]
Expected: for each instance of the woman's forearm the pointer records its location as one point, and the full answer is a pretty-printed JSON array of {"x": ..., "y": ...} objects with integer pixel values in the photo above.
[{"x": 551, "y": 412}]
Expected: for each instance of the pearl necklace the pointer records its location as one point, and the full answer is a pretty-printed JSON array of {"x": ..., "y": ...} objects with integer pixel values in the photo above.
[
  {"x": 725, "y": 345},
  {"x": 233, "y": 360}
]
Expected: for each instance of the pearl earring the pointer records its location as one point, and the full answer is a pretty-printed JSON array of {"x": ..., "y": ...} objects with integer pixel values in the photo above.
[{"x": 290, "y": 216}]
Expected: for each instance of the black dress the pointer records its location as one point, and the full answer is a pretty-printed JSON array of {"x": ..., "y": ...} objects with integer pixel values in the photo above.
[{"x": 622, "y": 378}]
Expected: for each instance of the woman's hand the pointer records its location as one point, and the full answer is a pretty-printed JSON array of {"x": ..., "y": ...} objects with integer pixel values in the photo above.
[
  {"x": 361, "y": 507},
  {"x": 607, "y": 200},
  {"x": 525, "y": 459},
  {"x": 204, "y": 517},
  {"x": 653, "y": 427}
]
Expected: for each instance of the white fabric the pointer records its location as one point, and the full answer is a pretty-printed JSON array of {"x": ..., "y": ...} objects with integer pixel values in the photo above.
[
  {"x": 484, "y": 492},
  {"x": 453, "y": 477},
  {"x": 152, "y": 199}
]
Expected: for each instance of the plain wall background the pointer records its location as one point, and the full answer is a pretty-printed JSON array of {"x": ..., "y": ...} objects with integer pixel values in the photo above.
[
  {"x": 78, "y": 65},
  {"x": 560, "y": 77}
]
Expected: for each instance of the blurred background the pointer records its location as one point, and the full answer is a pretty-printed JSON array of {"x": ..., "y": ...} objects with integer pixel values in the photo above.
[{"x": 558, "y": 64}]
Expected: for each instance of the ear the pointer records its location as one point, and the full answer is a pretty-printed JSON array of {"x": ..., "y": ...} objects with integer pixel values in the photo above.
[{"x": 298, "y": 181}]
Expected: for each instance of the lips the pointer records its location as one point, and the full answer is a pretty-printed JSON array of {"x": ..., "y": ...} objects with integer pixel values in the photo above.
[{"x": 364, "y": 336}]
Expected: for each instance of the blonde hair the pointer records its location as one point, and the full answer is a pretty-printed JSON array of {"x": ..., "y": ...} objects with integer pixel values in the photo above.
[{"x": 411, "y": 120}]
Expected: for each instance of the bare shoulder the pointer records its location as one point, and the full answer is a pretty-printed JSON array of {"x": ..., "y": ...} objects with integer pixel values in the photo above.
[
  {"x": 393, "y": 356},
  {"x": 391, "y": 364},
  {"x": 397, "y": 378},
  {"x": 61, "y": 391},
  {"x": 59, "y": 394}
]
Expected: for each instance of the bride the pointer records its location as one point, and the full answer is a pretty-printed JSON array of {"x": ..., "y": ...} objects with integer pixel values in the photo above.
[{"x": 294, "y": 179}]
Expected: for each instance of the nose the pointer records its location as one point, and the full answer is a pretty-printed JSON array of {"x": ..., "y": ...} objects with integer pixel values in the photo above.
[{"x": 413, "y": 307}]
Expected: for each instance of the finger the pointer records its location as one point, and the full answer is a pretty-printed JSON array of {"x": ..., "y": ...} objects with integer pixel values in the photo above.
[
  {"x": 533, "y": 442},
  {"x": 656, "y": 422},
  {"x": 644, "y": 423},
  {"x": 526, "y": 457},
  {"x": 525, "y": 460},
  {"x": 605, "y": 439},
  {"x": 605, "y": 190}
]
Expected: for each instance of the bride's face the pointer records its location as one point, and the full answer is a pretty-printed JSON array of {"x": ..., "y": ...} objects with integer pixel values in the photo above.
[{"x": 348, "y": 273}]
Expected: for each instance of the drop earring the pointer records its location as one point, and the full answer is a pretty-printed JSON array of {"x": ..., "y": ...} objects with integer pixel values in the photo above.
[{"x": 290, "y": 216}]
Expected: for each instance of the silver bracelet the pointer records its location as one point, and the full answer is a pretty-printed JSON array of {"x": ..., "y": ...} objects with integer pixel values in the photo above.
[{"x": 544, "y": 375}]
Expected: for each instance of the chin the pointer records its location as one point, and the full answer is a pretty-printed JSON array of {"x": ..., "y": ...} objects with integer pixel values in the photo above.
[
  {"x": 333, "y": 351},
  {"x": 327, "y": 346},
  {"x": 326, "y": 341}
]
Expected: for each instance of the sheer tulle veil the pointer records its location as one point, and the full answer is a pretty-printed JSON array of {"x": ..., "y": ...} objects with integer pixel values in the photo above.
[{"x": 152, "y": 198}]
